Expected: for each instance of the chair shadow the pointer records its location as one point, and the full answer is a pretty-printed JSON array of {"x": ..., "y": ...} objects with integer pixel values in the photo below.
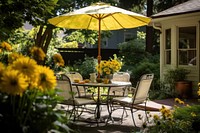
[{"x": 102, "y": 128}]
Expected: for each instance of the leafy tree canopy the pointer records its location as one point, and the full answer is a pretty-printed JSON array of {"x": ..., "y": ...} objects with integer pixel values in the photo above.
[{"x": 14, "y": 13}]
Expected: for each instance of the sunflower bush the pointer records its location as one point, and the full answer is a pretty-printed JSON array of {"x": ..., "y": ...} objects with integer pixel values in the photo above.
[
  {"x": 110, "y": 66},
  {"x": 56, "y": 63},
  {"x": 5, "y": 49},
  {"x": 28, "y": 95},
  {"x": 183, "y": 118}
]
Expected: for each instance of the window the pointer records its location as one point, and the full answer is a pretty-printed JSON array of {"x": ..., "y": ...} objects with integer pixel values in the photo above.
[
  {"x": 187, "y": 46},
  {"x": 168, "y": 46},
  {"x": 128, "y": 37}
]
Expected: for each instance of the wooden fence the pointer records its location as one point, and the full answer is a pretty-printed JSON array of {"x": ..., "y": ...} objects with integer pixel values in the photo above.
[{"x": 73, "y": 54}]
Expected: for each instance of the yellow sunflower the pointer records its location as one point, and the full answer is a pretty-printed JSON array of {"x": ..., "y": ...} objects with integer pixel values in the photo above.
[
  {"x": 155, "y": 117},
  {"x": 109, "y": 67},
  {"x": 25, "y": 65},
  {"x": 14, "y": 56},
  {"x": 6, "y": 46},
  {"x": 13, "y": 82},
  {"x": 166, "y": 113},
  {"x": 179, "y": 101},
  {"x": 46, "y": 78},
  {"x": 37, "y": 53},
  {"x": 58, "y": 60},
  {"x": 198, "y": 92},
  {"x": 2, "y": 69}
]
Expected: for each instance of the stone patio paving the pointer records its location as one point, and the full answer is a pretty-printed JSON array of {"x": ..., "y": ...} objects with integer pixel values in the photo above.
[{"x": 87, "y": 125}]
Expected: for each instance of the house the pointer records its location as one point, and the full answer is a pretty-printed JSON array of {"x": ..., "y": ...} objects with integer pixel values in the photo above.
[
  {"x": 180, "y": 39},
  {"x": 120, "y": 36}
]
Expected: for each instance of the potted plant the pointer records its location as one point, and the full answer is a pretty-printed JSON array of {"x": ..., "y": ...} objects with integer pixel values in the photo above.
[{"x": 177, "y": 79}]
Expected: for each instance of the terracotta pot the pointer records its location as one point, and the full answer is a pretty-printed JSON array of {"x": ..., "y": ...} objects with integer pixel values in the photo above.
[{"x": 184, "y": 89}]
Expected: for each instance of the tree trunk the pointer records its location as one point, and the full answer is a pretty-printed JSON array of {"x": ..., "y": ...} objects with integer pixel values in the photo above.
[
  {"x": 149, "y": 30},
  {"x": 43, "y": 38}
]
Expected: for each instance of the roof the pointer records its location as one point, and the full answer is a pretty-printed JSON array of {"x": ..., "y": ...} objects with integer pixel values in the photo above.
[{"x": 186, "y": 7}]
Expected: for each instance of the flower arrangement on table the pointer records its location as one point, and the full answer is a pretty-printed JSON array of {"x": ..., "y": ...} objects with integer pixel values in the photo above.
[
  {"x": 27, "y": 93},
  {"x": 107, "y": 68}
]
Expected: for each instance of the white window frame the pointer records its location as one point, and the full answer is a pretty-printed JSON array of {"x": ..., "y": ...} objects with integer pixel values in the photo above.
[{"x": 187, "y": 49}]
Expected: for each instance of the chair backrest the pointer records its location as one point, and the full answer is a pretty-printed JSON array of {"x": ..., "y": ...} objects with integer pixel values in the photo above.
[
  {"x": 80, "y": 91},
  {"x": 74, "y": 75},
  {"x": 120, "y": 91},
  {"x": 64, "y": 84},
  {"x": 121, "y": 76},
  {"x": 142, "y": 88}
]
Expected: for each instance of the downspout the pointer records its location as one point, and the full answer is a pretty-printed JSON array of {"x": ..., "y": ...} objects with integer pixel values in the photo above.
[
  {"x": 157, "y": 27},
  {"x": 160, "y": 29}
]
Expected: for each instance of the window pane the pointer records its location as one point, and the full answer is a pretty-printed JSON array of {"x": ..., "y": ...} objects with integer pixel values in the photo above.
[
  {"x": 168, "y": 46},
  {"x": 187, "y": 37},
  {"x": 183, "y": 57},
  {"x": 187, "y": 46},
  {"x": 168, "y": 57},
  {"x": 192, "y": 57},
  {"x": 168, "y": 39}
]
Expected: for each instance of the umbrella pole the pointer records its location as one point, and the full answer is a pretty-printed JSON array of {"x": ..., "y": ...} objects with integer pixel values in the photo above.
[
  {"x": 99, "y": 61},
  {"x": 99, "y": 46}
]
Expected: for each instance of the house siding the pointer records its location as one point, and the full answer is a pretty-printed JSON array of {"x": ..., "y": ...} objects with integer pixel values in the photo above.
[{"x": 174, "y": 23}]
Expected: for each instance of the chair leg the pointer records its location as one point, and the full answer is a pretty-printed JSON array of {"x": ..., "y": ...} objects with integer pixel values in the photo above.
[
  {"x": 124, "y": 111},
  {"x": 73, "y": 113},
  {"x": 123, "y": 114},
  {"x": 81, "y": 111},
  {"x": 133, "y": 117},
  {"x": 109, "y": 108},
  {"x": 146, "y": 112}
]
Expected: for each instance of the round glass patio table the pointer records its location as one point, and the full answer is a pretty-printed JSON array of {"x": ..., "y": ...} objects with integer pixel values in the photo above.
[{"x": 99, "y": 85}]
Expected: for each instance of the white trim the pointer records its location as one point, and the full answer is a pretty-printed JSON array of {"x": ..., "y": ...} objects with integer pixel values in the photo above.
[{"x": 174, "y": 17}]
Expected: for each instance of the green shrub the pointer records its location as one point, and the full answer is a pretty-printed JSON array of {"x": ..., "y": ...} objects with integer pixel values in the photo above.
[
  {"x": 184, "y": 119},
  {"x": 85, "y": 67},
  {"x": 191, "y": 114},
  {"x": 133, "y": 51},
  {"x": 138, "y": 62},
  {"x": 42, "y": 114}
]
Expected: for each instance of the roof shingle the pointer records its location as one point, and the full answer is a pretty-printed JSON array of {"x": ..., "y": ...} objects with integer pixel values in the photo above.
[{"x": 186, "y": 7}]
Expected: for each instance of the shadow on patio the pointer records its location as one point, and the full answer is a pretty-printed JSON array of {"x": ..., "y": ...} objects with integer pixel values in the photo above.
[{"x": 116, "y": 127}]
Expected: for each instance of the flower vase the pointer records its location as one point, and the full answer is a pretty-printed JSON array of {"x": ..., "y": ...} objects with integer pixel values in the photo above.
[{"x": 109, "y": 77}]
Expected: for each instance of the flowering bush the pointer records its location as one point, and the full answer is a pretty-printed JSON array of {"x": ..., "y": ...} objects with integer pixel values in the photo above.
[
  {"x": 109, "y": 67},
  {"x": 56, "y": 63},
  {"x": 198, "y": 92},
  {"x": 5, "y": 49},
  {"x": 58, "y": 60},
  {"x": 183, "y": 119},
  {"x": 5, "y": 46},
  {"x": 27, "y": 94}
]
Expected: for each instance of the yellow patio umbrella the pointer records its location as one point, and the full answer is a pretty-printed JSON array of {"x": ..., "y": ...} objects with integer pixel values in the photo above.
[{"x": 100, "y": 16}]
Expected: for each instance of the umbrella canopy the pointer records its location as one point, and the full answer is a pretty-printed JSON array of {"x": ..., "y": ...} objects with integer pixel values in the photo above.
[{"x": 100, "y": 16}]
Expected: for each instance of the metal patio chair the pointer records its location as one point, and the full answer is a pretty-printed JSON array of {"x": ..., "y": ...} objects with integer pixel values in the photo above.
[
  {"x": 138, "y": 101},
  {"x": 119, "y": 91},
  {"x": 78, "y": 105},
  {"x": 81, "y": 91}
]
